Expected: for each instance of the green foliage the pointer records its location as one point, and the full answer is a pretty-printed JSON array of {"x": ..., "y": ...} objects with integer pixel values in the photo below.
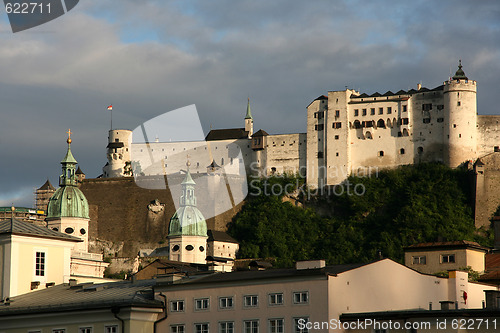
[
  {"x": 411, "y": 204},
  {"x": 473, "y": 275},
  {"x": 122, "y": 275}
]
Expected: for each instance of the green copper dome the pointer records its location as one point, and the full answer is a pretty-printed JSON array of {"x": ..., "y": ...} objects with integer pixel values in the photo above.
[
  {"x": 68, "y": 200},
  {"x": 188, "y": 220},
  {"x": 459, "y": 74}
]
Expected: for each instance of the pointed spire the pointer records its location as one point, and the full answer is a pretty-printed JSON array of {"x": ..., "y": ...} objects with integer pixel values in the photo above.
[
  {"x": 69, "y": 156},
  {"x": 249, "y": 113},
  {"x": 460, "y": 74}
]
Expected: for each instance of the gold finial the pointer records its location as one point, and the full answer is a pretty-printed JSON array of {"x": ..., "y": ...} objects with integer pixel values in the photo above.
[
  {"x": 188, "y": 164},
  {"x": 69, "y": 136},
  {"x": 12, "y": 210}
]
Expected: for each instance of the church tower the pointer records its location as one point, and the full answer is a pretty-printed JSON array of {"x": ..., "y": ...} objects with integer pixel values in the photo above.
[
  {"x": 249, "y": 120},
  {"x": 460, "y": 119},
  {"x": 187, "y": 234},
  {"x": 68, "y": 209}
]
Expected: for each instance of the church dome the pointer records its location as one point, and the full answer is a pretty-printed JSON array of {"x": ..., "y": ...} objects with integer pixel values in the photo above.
[
  {"x": 188, "y": 221},
  {"x": 68, "y": 201}
]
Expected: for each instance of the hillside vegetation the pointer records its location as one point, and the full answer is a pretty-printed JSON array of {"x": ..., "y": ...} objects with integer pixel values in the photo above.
[{"x": 408, "y": 205}]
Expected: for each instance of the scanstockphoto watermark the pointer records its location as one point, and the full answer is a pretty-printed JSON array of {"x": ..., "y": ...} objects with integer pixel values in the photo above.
[{"x": 259, "y": 184}]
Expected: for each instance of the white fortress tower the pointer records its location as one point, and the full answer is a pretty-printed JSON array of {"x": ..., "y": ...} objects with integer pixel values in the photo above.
[
  {"x": 118, "y": 154},
  {"x": 460, "y": 131}
]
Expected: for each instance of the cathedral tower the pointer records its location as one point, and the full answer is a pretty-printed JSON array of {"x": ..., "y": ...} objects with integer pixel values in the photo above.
[
  {"x": 187, "y": 232},
  {"x": 68, "y": 209},
  {"x": 249, "y": 120},
  {"x": 460, "y": 108}
]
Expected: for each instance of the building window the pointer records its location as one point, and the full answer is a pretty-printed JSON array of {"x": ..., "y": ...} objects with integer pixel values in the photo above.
[
  {"x": 447, "y": 258},
  {"x": 59, "y": 331},
  {"x": 111, "y": 329},
  {"x": 226, "y": 302},
  {"x": 299, "y": 325},
  {"x": 427, "y": 107},
  {"x": 440, "y": 107},
  {"x": 372, "y": 111},
  {"x": 319, "y": 127},
  {"x": 276, "y": 299},
  {"x": 177, "y": 329},
  {"x": 320, "y": 154},
  {"x": 420, "y": 150},
  {"x": 337, "y": 113},
  {"x": 85, "y": 330},
  {"x": 419, "y": 260},
  {"x": 405, "y": 108},
  {"x": 201, "y": 304},
  {"x": 301, "y": 297},
  {"x": 402, "y": 151},
  {"x": 251, "y": 326},
  {"x": 177, "y": 306},
  {"x": 426, "y": 120},
  {"x": 356, "y": 112},
  {"x": 336, "y": 137},
  {"x": 337, "y": 125},
  {"x": 380, "y": 110},
  {"x": 250, "y": 301},
  {"x": 440, "y": 120},
  {"x": 226, "y": 327},
  {"x": 380, "y": 153},
  {"x": 405, "y": 121},
  {"x": 364, "y": 112},
  {"x": 458, "y": 103},
  {"x": 276, "y": 325},
  {"x": 40, "y": 264},
  {"x": 201, "y": 328},
  {"x": 318, "y": 115}
]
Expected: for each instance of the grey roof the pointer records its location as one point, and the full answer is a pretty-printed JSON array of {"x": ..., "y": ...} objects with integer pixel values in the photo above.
[
  {"x": 84, "y": 296},
  {"x": 16, "y": 227},
  {"x": 227, "y": 134},
  {"x": 280, "y": 274},
  {"x": 220, "y": 236}
]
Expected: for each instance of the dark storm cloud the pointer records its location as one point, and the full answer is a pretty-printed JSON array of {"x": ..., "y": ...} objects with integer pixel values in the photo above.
[{"x": 154, "y": 56}]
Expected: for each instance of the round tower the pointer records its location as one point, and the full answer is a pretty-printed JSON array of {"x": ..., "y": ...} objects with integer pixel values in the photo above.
[
  {"x": 68, "y": 209},
  {"x": 460, "y": 134},
  {"x": 118, "y": 153}
]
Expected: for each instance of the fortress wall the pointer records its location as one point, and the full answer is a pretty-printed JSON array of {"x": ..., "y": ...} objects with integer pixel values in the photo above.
[
  {"x": 121, "y": 222},
  {"x": 286, "y": 153},
  {"x": 488, "y": 132}
]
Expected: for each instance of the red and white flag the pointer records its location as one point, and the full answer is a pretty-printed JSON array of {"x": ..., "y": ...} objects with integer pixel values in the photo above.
[{"x": 110, "y": 107}]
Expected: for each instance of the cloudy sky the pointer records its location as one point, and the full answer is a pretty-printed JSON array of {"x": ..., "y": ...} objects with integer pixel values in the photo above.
[{"x": 148, "y": 57}]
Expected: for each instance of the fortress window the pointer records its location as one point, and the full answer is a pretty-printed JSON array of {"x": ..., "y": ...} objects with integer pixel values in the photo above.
[
  {"x": 381, "y": 123},
  {"x": 405, "y": 132},
  {"x": 320, "y": 154},
  {"x": 336, "y": 154},
  {"x": 337, "y": 113},
  {"x": 420, "y": 150},
  {"x": 426, "y": 120},
  {"x": 454, "y": 125},
  {"x": 69, "y": 230},
  {"x": 405, "y": 108},
  {"x": 368, "y": 135},
  {"x": 202, "y": 248},
  {"x": 189, "y": 247},
  {"x": 364, "y": 112},
  {"x": 405, "y": 121},
  {"x": 356, "y": 112},
  {"x": 427, "y": 107},
  {"x": 402, "y": 151},
  {"x": 116, "y": 140},
  {"x": 389, "y": 110},
  {"x": 336, "y": 137},
  {"x": 458, "y": 103},
  {"x": 372, "y": 111},
  {"x": 357, "y": 124},
  {"x": 496, "y": 149},
  {"x": 82, "y": 231},
  {"x": 460, "y": 135},
  {"x": 380, "y": 153},
  {"x": 440, "y": 120},
  {"x": 380, "y": 110},
  {"x": 337, "y": 125},
  {"x": 400, "y": 134},
  {"x": 319, "y": 127}
]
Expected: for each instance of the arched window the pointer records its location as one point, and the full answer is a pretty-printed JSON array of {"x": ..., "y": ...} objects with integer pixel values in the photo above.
[
  {"x": 389, "y": 122},
  {"x": 368, "y": 135},
  {"x": 357, "y": 124},
  {"x": 405, "y": 132},
  {"x": 420, "y": 150},
  {"x": 381, "y": 123},
  {"x": 402, "y": 151}
]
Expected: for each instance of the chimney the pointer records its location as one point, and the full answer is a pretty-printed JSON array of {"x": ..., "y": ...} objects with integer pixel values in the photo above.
[
  {"x": 72, "y": 282},
  {"x": 310, "y": 264},
  {"x": 492, "y": 299},
  {"x": 447, "y": 305}
]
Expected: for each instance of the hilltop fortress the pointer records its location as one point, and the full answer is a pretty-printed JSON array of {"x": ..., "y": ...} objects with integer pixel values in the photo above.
[{"x": 348, "y": 132}]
